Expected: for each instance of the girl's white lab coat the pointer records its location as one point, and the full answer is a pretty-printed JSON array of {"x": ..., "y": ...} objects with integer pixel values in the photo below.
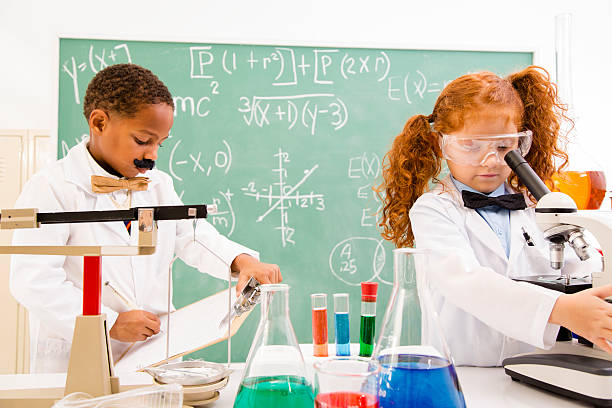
[
  {"x": 50, "y": 287},
  {"x": 485, "y": 316}
]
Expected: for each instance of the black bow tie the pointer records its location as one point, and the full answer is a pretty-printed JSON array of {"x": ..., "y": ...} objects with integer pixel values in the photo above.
[{"x": 507, "y": 201}]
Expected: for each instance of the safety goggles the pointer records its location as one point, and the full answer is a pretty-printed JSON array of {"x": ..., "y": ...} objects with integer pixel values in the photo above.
[{"x": 477, "y": 150}]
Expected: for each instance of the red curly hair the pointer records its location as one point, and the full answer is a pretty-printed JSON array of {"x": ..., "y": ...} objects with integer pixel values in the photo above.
[{"x": 415, "y": 159}]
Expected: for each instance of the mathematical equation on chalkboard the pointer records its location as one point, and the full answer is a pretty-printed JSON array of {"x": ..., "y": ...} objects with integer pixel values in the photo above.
[{"x": 288, "y": 67}]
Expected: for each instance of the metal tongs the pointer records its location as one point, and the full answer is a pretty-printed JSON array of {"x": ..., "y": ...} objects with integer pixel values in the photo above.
[{"x": 247, "y": 300}]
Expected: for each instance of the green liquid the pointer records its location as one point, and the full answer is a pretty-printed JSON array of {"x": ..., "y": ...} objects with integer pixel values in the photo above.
[
  {"x": 366, "y": 335},
  {"x": 276, "y": 391}
]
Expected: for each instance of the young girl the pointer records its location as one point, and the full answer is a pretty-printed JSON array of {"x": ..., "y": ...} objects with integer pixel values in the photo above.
[
  {"x": 476, "y": 250},
  {"x": 129, "y": 112}
]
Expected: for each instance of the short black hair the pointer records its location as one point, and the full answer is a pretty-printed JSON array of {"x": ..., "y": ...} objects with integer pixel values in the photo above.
[{"x": 123, "y": 89}]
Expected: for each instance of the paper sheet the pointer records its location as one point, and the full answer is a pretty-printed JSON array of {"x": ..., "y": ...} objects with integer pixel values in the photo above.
[{"x": 192, "y": 328}]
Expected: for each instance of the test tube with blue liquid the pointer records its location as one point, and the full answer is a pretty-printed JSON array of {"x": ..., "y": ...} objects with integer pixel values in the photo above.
[{"x": 341, "y": 317}]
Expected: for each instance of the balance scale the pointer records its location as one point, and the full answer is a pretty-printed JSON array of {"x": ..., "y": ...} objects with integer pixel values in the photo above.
[{"x": 90, "y": 368}]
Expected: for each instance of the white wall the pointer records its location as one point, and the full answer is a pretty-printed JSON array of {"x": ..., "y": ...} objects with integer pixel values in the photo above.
[{"x": 29, "y": 31}]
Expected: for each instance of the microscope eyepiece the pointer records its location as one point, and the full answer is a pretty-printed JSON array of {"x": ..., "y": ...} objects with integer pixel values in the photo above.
[{"x": 525, "y": 173}]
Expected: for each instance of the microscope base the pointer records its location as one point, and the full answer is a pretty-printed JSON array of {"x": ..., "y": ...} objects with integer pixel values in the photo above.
[{"x": 571, "y": 370}]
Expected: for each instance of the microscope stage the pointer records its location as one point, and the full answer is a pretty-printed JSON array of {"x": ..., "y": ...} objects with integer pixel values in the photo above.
[{"x": 557, "y": 283}]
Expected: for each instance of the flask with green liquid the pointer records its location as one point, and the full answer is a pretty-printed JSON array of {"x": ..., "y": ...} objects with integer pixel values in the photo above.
[{"x": 275, "y": 373}]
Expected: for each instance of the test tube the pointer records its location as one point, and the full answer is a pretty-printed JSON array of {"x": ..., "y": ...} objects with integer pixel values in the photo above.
[
  {"x": 368, "y": 318},
  {"x": 341, "y": 317},
  {"x": 319, "y": 324}
]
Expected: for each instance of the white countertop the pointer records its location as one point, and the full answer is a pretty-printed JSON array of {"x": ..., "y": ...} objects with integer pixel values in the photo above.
[{"x": 482, "y": 387}]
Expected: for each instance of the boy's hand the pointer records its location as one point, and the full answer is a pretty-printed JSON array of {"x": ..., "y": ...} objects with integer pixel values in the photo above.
[
  {"x": 135, "y": 325},
  {"x": 248, "y": 266},
  {"x": 586, "y": 313}
]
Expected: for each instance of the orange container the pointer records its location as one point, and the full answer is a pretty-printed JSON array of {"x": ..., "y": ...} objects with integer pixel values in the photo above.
[{"x": 587, "y": 188}]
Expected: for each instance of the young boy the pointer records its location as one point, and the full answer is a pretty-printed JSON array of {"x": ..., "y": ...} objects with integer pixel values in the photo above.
[{"x": 130, "y": 113}]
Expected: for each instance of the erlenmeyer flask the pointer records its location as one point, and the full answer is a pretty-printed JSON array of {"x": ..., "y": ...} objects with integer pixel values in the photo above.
[
  {"x": 417, "y": 369},
  {"x": 275, "y": 374}
]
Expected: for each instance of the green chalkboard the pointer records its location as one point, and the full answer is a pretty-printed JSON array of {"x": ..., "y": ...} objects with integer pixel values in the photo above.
[{"x": 288, "y": 141}]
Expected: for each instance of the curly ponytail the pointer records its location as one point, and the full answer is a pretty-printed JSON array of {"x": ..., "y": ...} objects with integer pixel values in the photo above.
[
  {"x": 527, "y": 99},
  {"x": 414, "y": 160},
  {"x": 543, "y": 114}
]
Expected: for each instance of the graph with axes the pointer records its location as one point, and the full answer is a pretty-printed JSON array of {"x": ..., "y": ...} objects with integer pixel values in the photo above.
[{"x": 282, "y": 197}]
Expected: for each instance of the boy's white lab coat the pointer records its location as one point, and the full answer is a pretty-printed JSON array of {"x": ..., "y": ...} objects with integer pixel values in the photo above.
[
  {"x": 486, "y": 316},
  {"x": 50, "y": 287}
]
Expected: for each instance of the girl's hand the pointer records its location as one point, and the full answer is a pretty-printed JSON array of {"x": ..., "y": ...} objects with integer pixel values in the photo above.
[
  {"x": 586, "y": 313},
  {"x": 249, "y": 266}
]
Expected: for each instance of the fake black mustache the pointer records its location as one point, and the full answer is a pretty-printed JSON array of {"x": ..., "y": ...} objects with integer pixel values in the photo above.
[{"x": 144, "y": 163}]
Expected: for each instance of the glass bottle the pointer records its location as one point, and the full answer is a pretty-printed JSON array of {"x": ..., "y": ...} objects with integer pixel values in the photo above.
[
  {"x": 275, "y": 374},
  {"x": 417, "y": 369}
]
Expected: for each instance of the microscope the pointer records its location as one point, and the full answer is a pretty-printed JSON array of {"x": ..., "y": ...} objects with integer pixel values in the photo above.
[{"x": 570, "y": 369}]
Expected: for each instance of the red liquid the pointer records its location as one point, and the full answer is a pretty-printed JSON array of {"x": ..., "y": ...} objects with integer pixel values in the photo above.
[
  {"x": 319, "y": 332},
  {"x": 92, "y": 285},
  {"x": 346, "y": 400}
]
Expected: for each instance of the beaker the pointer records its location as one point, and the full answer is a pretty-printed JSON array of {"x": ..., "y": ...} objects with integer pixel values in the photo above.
[
  {"x": 417, "y": 368},
  {"x": 347, "y": 382},
  {"x": 275, "y": 374}
]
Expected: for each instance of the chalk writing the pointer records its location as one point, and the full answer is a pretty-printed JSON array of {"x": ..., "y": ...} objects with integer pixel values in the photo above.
[
  {"x": 304, "y": 110},
  {"x": 198, "y": 162},
  {"x": 410, "y": 87},
  {"x": 357, "y": 259},
  {"x": 224, "y": 220},
  {"x": 282, "y": 196},
  {"x": 95, "y": 61}
]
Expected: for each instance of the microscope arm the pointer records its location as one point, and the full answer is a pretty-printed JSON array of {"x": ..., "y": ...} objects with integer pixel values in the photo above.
[{"x": 599, "y": 223}]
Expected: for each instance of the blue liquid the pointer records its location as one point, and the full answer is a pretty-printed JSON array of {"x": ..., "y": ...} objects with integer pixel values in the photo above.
[
  {"x": 343, "y": 338},
  {"x": 409, "y": 380}
]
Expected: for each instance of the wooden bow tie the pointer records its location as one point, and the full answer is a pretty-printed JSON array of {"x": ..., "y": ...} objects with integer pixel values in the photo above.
[{"x": 101, "y": 184}]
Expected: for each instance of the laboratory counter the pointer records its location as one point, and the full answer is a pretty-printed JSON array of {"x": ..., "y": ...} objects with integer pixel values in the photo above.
[{"x": 483, "y": 387}]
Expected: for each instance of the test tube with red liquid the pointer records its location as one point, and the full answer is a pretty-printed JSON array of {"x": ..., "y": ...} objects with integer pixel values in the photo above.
[{"x": 319, "y": 324}]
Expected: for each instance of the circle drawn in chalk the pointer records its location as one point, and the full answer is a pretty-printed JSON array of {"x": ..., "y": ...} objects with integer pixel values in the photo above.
[
  {"x": 353, "y": 260},
  {"x": 378, "y": 263}
]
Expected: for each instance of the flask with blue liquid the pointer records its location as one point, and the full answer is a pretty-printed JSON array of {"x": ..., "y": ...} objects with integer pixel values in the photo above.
[{"x": 417, "y": 368}]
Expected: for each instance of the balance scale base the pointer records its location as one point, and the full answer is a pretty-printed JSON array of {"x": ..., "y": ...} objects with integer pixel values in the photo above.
[{"x": 91, "y": 369}]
